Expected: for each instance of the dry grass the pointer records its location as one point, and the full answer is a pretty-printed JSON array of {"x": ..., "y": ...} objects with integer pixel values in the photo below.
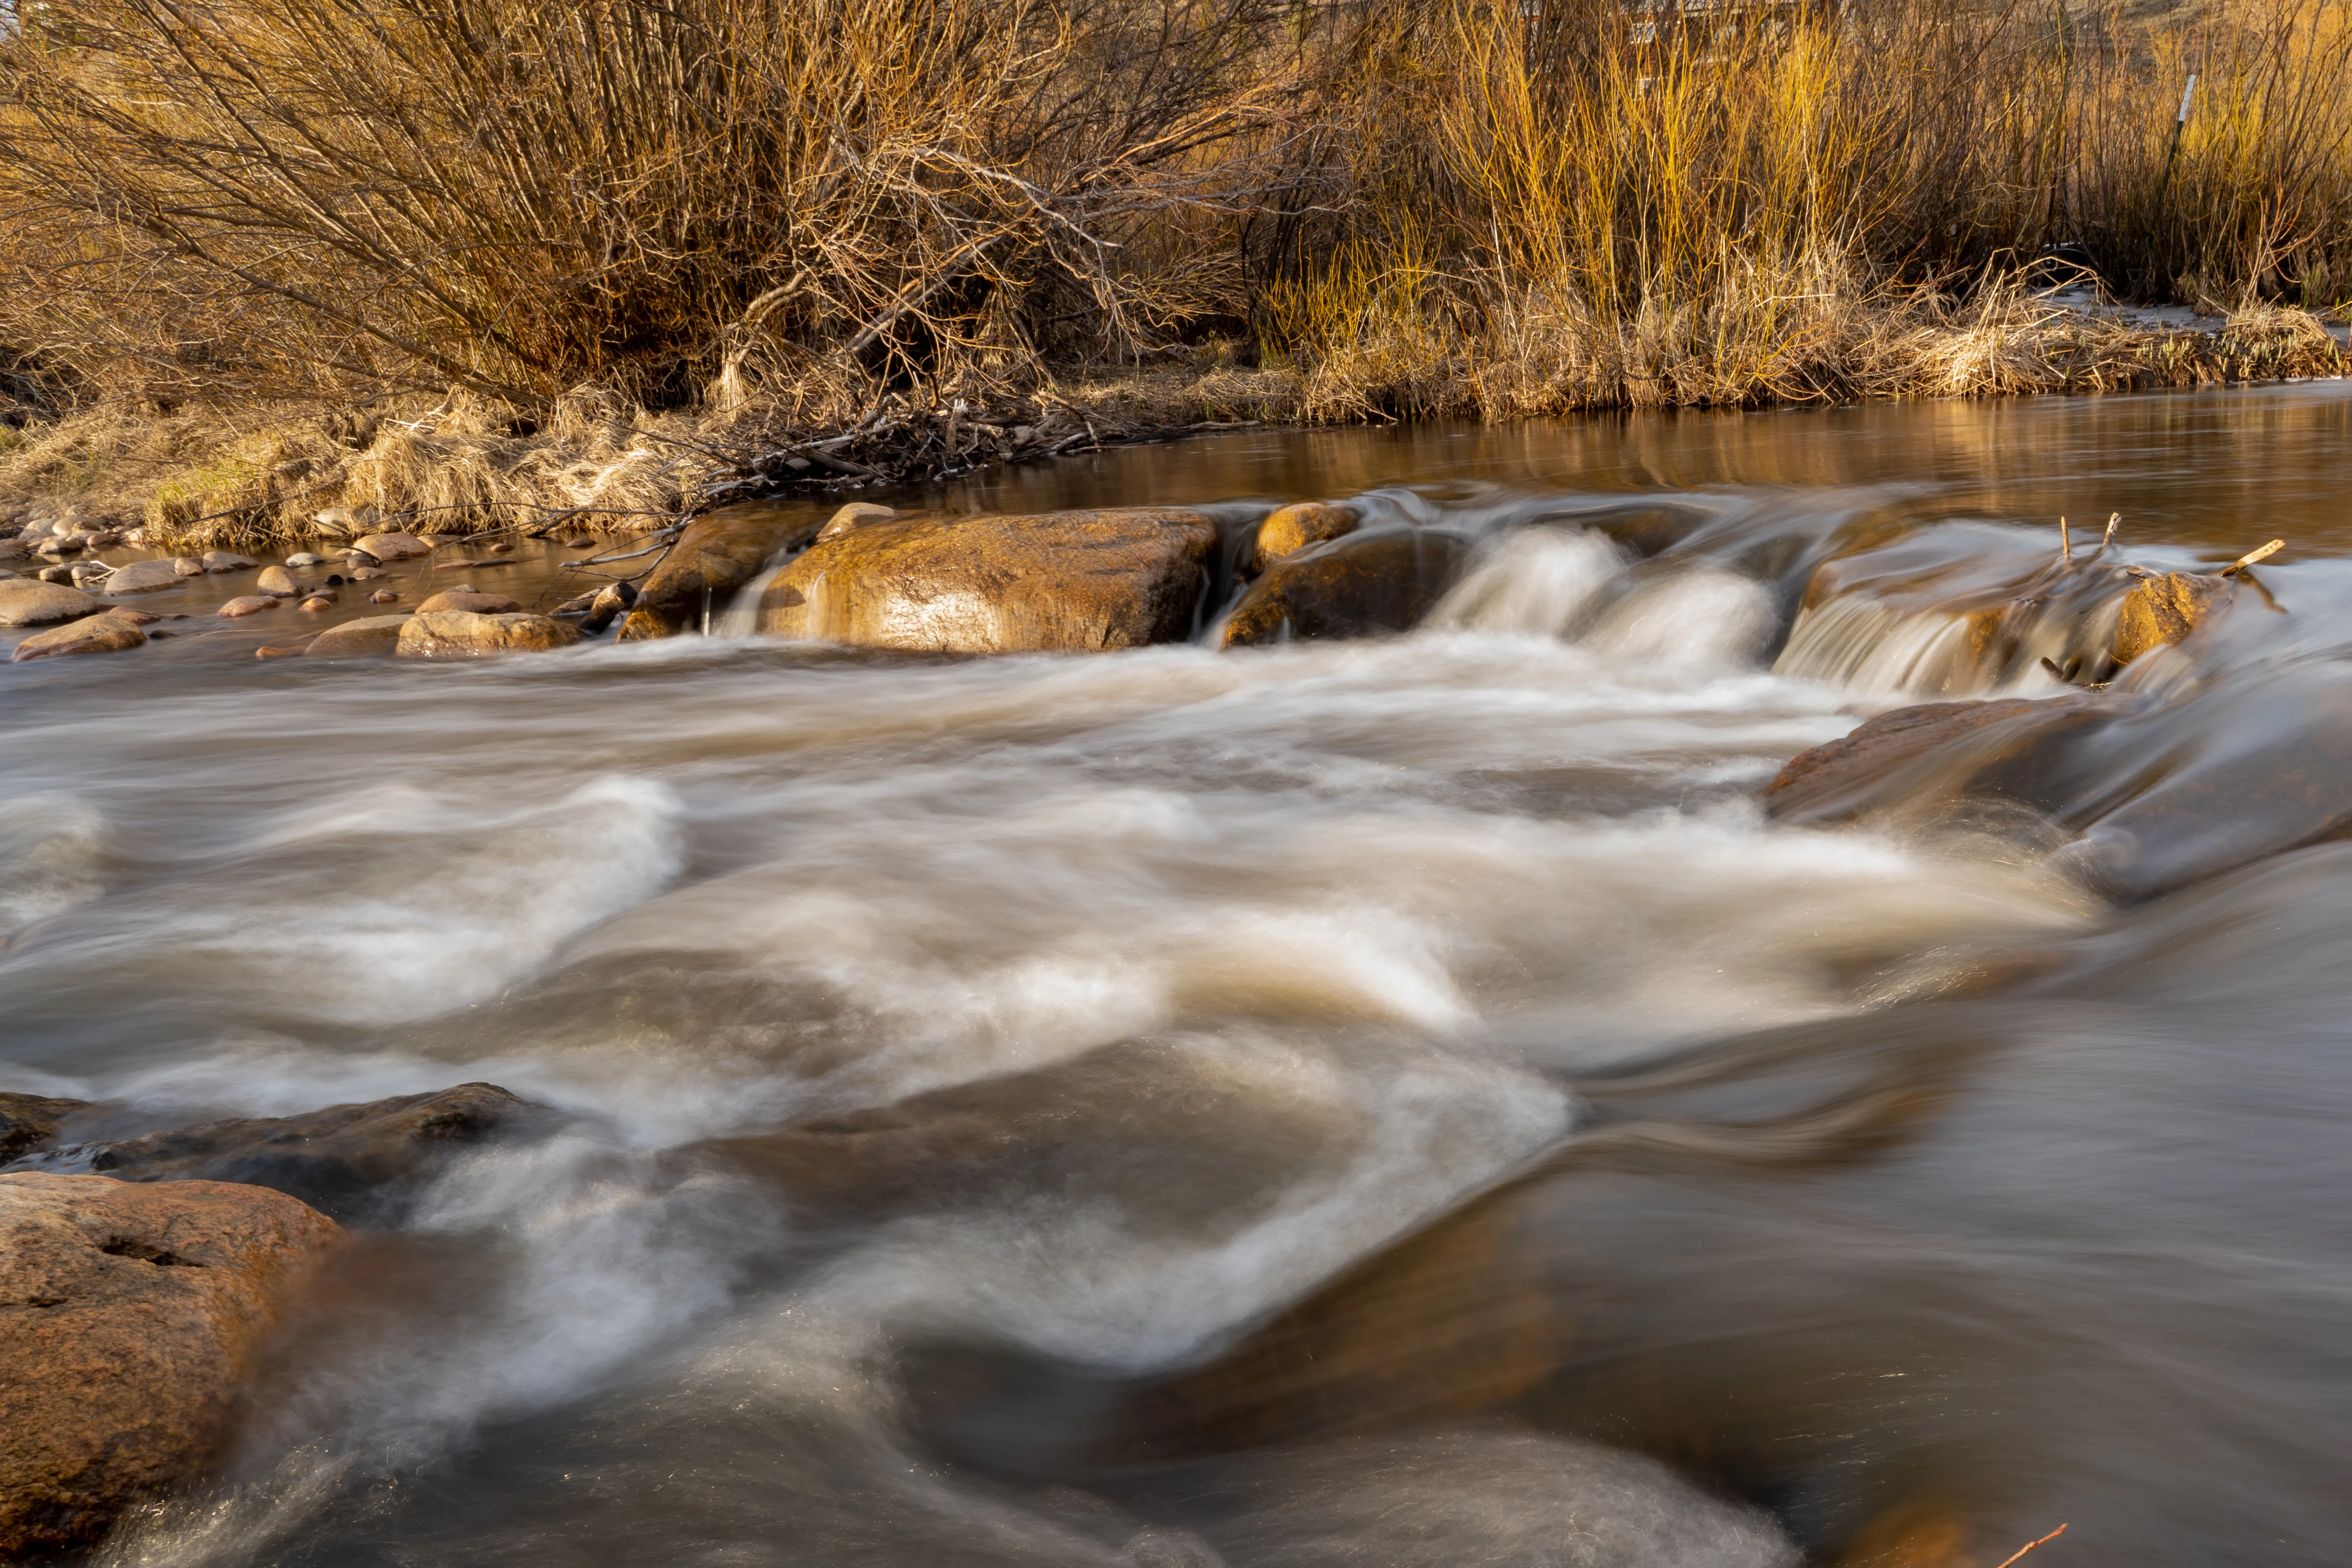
[{"x": 482, "y": 262}]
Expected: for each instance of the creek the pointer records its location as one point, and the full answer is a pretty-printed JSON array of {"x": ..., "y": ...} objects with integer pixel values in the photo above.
[{"x": 1395, "y": 1101}]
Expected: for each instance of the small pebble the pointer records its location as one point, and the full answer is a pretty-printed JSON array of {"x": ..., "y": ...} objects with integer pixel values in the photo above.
[
  {"x": 503, "y": 547},
  {"x": 318, "y": 602},
  {"x": 306, "y": 559},
  {"x": 368, "y": 574},
  {"x": 334, "y": 580},
  {"x": 384, "y": 596},
  {"x": 272, "y": 652},
  {"x": 252, "y": 604}
]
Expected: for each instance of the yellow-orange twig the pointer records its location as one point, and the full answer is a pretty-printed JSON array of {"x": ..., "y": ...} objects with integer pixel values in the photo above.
[{"x": 2031, "y": 1544}]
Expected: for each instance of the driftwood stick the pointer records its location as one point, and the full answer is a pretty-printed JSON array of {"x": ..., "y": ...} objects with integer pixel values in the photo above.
[
  {"x": 2065, "y": 543},
  {"x": 2031, "y": 1544},
  {"x": 2114, "y": 519},
  {"x": 2246, "y": 560}
]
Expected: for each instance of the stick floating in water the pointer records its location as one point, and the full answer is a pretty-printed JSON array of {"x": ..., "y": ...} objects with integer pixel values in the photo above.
[
  {"x": 2031, "y": 1544},
  {"x": 2066, "y": 543},
  {"x": 2250, "y": 556}
]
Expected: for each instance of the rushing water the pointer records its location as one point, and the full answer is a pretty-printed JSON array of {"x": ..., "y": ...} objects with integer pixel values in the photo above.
[{"x": 1391, "y": 1102}]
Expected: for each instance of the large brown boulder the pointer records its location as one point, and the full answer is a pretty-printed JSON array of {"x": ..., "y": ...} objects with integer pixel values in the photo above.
[
  {"x": 346, "y": 1160},
  {"x": 1059, "y": 582},
  {"x": 1951, "y": 745},
  {"x": 460, "y": 633},
  {"x": 716, "y": 556},
  {"x": 129, "y": 1316},
  {"x": 145, "y": 577},
  {"x": 1354, "y": 586},
  {"x": 470, "y": 600},
  {"x": 2163, "y": 610}
]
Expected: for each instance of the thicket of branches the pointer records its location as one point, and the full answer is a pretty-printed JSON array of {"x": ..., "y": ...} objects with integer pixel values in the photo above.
[{"x": 702, "y": 203}]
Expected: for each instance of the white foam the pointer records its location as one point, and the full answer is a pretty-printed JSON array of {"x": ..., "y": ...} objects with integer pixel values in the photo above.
[{"x": 1539, "y": 581}]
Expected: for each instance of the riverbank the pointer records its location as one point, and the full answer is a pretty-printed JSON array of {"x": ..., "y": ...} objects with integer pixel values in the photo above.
[{"x": 249, "y": 479}]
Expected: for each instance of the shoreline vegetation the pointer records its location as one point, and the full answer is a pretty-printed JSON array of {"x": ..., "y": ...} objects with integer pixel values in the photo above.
[{"x": 489, "y": 264}]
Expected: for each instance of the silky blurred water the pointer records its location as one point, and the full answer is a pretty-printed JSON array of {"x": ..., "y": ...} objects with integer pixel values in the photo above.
[{"x": 967, "y": 1062}]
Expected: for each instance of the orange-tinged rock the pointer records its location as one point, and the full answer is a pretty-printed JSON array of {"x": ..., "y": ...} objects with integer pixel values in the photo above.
[
  {"x": 2162, "y": 610},
  {"x": 718, "y": 553},
  {"x": 1062, "y": 581},
  {"x": 468, "y": 600},
  {"x": 1293, "y": 528},
  {"x": 1357, "y": 587},
  {"x": 108, "y": 633},
  {"x": 461, "y": 634},
  {"x": 129, "y": 1312}
]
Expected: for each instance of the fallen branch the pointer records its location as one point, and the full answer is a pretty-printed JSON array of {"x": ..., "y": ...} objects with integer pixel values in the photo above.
[{"x": 2031, "y": 1544}]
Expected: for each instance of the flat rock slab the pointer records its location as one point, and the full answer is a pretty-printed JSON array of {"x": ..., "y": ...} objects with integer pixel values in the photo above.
[
  {"x": 1063, "y": 582},
  {"x": 1952, "y": 741},
  {"x": 1354, "y": 586},
  {"x": 460, "y": 633},
  {"x": 471, "y": 601},
  {"x": 29, "y": 602},
  {"x": 344, "y": 1160},
  {"x": 108, "y": 633},
  {"x": 376, "y": 636},
  {"x": 145, "y": 577},
  {"x": 29, "y": 1121},
  {"x": 129, "y": 1316}
]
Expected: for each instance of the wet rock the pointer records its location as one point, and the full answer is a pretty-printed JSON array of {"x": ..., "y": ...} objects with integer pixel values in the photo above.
[
  {"x": 2163, "y": 610},
  {"x": 110, "y": 633},
  {"x": 283, "y": 650},
  {"x": 503, "y": 547},
  {"x": 376, "y": 636},
  {"x": 1069, "y": 581},
  {"x": 129, "y": 1317},
  {"x": 855, "y": 513},
  {"x": 57, "y": 575},
  {"x": 344, "y": 521},
  {"x": 279, "y": 581},
  {"x": 347, "y": 1161},
  {"x": 607, "y": 605},
  {"x": 716, "y": 554},
  {"x": 188, "y": 566},
  {"x": 229, "y": 560},
  {"x": 145, "y": 577},
  {"x": 384, "y": 596},
  {"x": 467, "y": 599},
  {"x": 393, "y": 546},
  {"x": 249, "y": 604},
  {"x": 1950, "y": 744},
  {"x": 24, "y": 602},
  {"x": 459, "y": 634},
  {"x": 30, "y": 1121},
  {"x": 305, "y": 560},
  {"x": 1291, "y": 528},
  {"x": 359, "y": 559},
  {"x": 317, "y": 604},
  {"x": 368, "y": 574},
  {"x": 1352, "y": 587}
]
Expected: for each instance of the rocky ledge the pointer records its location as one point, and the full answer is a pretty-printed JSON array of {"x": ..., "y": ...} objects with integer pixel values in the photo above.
[{"x": 129, "y": 1315}]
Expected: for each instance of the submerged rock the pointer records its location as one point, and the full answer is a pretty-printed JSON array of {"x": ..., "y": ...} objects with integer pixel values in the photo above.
[
  {"x": 856, "y": 514},
  {"x": 344, "y": 1161},
  {"x": 108, "y": 633},
  {"x": 467, "y": 599},
  {"x": 229, "y": 560},
  {"x": 376, "y": 636},
  {"x": 460, "y": 633},
  {"x": 1064, "y": 581},
  {"x": 718, "y": 553},
  {"x": 2162, "y": 610},
  {"x": 26, "y": 603},
  {"x": 1954, "y": 741},
  {"x": 1352, "y": 587},
  {"x": 30, "y": 1121},
  {"x": 1292, "y": 528},
  {"x": 129, "y": 1316},
  {"x": 248, "y": 604},
  {"x": 277, "y": 580}
]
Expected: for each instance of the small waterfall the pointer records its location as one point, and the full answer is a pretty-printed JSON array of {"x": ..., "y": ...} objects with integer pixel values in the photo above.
[
  {"x": 741, "y": 617},
  {"x": 1863, "y": 642},
  {"x": 1542, "y": 582},
  {"x": 1693, "y": 621}
]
